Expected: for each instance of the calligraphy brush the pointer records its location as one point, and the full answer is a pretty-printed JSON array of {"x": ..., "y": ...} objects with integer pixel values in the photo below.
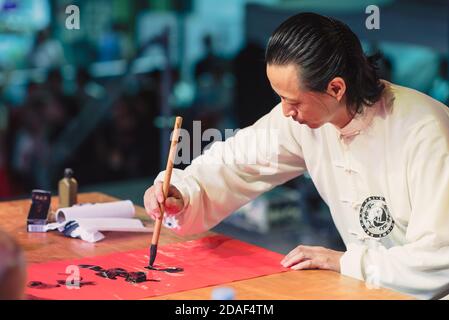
[{"x": 165, "y": 188}]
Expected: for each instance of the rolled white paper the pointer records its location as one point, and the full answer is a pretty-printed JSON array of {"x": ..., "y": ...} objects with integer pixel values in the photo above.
[
  {"x": 117, "y": 209},
  {"x": 110, "y": 216}
]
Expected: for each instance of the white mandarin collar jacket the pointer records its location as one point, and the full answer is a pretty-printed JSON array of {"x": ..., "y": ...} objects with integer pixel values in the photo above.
[{"x": 385, "y": 178}]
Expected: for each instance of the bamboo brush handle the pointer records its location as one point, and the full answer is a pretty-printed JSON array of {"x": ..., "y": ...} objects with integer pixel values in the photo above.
[{"x": 167, "y": 177}]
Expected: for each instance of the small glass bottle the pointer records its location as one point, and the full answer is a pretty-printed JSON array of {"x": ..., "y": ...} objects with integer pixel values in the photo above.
[{"x": 68, "y": 189}]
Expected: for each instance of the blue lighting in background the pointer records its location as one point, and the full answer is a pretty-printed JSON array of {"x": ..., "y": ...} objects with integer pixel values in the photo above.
[
  {"x": 9, "y": 5},
  {"x": 24, "y": 15}
]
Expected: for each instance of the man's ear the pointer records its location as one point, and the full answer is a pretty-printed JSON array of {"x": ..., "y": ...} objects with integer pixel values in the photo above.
[{"x": 337, "y": 88}]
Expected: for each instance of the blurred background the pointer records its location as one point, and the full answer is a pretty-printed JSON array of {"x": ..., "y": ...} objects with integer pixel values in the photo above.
[{"x": 101, "y": 99}]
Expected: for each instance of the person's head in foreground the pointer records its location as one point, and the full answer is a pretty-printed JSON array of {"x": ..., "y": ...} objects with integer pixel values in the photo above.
[{"x": 12, "y": 269}]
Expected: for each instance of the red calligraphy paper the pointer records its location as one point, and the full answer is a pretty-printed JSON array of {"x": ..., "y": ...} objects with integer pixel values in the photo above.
[{"x": 206, "y": 262}]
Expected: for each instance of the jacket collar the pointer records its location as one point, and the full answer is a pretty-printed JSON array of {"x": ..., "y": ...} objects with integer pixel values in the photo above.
[{"x": 360, "y": 121}]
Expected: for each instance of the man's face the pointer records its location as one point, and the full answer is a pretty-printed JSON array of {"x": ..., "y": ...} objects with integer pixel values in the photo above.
[{"x": 306, "y": 107}]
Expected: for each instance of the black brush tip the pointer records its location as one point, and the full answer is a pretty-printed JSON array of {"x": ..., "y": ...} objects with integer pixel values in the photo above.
[{"x": 153, "y": 252}]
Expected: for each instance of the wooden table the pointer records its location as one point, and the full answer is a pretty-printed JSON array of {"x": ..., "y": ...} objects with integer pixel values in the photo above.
[{"x": 310, "y": 284}]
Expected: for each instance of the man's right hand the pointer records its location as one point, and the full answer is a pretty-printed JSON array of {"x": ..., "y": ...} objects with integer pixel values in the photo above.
[{"x": 155, "y": 196}]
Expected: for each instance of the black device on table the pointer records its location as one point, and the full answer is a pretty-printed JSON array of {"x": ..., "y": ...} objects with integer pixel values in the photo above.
[{"x": 37, "y": 216}]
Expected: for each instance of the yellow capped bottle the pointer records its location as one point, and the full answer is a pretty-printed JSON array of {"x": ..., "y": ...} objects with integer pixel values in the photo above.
[{"x": 68, "y": 189}]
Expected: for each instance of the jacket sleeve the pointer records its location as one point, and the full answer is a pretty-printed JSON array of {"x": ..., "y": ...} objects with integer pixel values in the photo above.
[
  {"x": 232, "y": 173},
  {"x": 420, "y": 267}
]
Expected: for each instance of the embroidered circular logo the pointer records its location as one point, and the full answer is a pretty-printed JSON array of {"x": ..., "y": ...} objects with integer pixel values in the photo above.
[{"x": 375, "y": 217}]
